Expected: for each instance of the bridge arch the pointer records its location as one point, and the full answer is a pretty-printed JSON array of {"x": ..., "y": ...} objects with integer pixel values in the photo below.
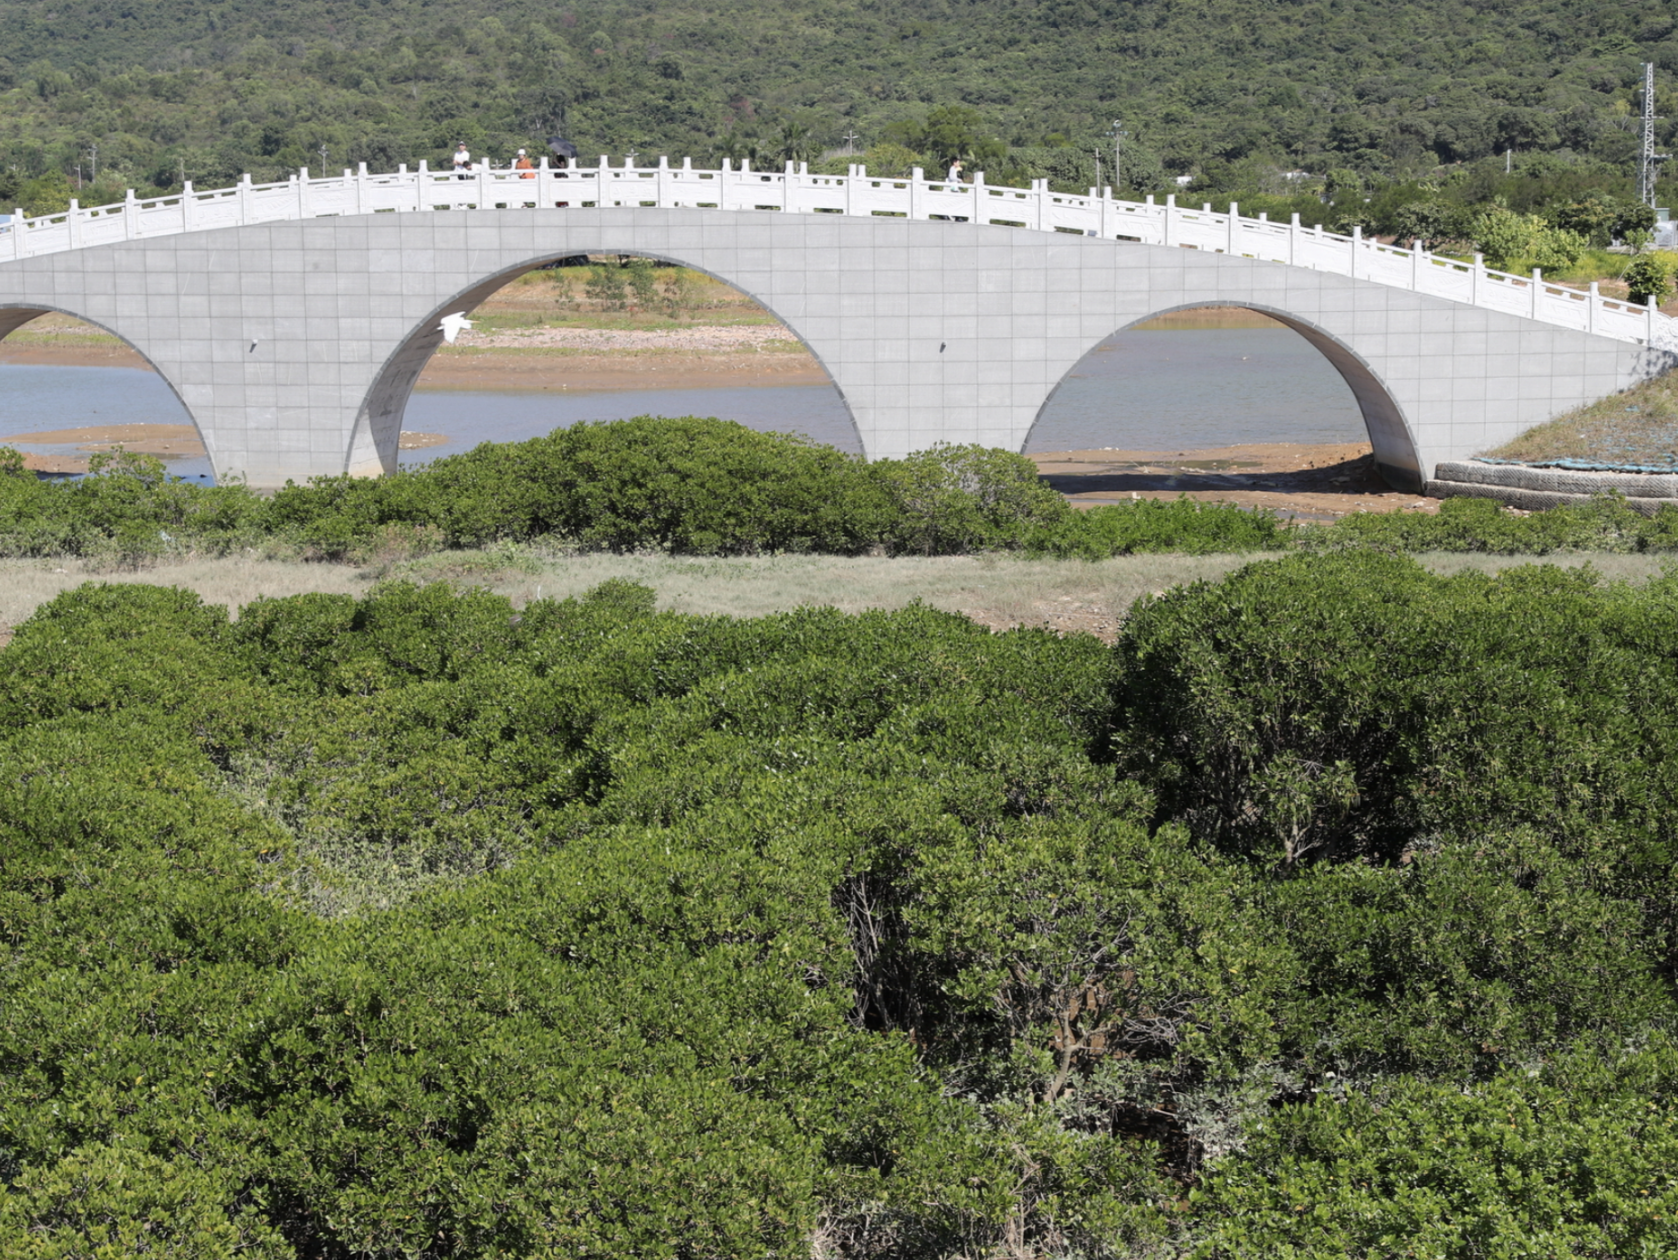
[
  {"x": 1396, "y": 454},
  {"x": 14, "y": 316},
  {"x": 375, "y": 439},
  {"x": 294, "y": 344}
]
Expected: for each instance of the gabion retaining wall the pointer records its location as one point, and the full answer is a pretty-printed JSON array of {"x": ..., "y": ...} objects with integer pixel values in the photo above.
[{"x": 1535, "y": 488}]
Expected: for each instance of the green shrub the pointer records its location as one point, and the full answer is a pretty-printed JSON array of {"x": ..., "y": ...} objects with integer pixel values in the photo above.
[
  {"x": 1341, "y": 706},
  {"x": 1650, "y": 275},
  {"x": 412, "y": 923},
  {"x": 953, "y": 499},
  {"x": 105, "y": 1200},
  {"x": 1605, "y": 523},
  {"x": 1569, "y": 1159},
  {"x": 1149, "y": 525}
]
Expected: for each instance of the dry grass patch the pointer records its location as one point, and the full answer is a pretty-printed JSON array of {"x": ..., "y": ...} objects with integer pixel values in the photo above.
[
  {"x": 234, "y": 581},
  {"x": 1001, "y": 592}
]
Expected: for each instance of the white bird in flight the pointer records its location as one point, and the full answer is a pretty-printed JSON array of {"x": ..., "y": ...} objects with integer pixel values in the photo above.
[{"x": 452, "y": 325}]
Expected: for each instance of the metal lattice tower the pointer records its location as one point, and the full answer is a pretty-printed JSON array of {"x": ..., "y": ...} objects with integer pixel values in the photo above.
[{"x": 1649, "y": 166}]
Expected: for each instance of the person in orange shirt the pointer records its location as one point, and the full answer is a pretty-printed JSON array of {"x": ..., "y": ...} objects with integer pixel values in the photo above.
[{"x": 525, "y": 166}]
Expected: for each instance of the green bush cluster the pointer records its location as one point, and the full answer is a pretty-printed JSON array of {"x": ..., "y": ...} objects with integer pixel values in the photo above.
[
  {"x": 689, "y": 486},
  {"x": 1604, "y": 523},
  {"x": 1650, "y": 275},
  {"x": 711, "y": 487},
  {"x": 1328, "y": 914}
]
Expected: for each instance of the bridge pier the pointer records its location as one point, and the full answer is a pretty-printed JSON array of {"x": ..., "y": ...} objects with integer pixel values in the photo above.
[{"x": 294, "y": 345}]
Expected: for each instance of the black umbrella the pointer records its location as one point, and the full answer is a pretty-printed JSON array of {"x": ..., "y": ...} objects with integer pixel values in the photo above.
[{"x": 563, "y": 149}]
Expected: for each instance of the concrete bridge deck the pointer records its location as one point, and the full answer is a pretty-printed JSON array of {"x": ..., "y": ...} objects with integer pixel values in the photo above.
[{"x": 293, "y": 319}]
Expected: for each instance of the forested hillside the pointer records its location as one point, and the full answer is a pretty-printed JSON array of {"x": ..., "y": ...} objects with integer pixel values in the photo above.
[{"x": 1237, "y": 91}]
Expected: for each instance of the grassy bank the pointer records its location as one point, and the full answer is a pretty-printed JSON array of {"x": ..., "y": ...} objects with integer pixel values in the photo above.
[{"x": 1639, "y": 426}]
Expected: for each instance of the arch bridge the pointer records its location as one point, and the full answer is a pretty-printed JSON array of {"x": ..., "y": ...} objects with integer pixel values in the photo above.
[{"x": 292, "y": 319}]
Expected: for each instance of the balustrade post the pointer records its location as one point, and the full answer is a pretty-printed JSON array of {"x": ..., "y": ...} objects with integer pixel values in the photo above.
[
  {"x": 917, "y": 178},
  {"x": 787, "y": 176},
  {"x": 1590, "y": 308},
  {"x": 602, "y": 182},
  {"x": 1357, "y": 247},
  {"x": 544, "y": 183},
  {"x": 1293, "y": 239},
  {"x": 71, "y": 220},
  {"x": 1415, "y": 264},
  {"x": 1537, "y": 286},
  {"x": 186, "y": 205},
  {"x": 663, "y": 181},
  {"x": 244, "y": 196},
  {"x": 360, "y": 187},
  {"x": 18, "y": 229},
  {"x": 1170, "y": 219},
  {"x": 1649, "y": 311},
  {"x": 300, "y": 183},
  {"x": 483, "y": 185},
  {"x": 1102, "y": 228},
  {"x": 1474, "y": 276},
  {"x": 1232, "y": 244},
  {"x": 850, "y": 184},
  {"x": 979, "y": 195},
  {"x": 130, "y": 216},
  {"x": 421, "y": 182}
]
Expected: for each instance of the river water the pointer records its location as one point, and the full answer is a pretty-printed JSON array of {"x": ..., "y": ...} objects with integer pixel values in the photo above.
[{"x": 1158, "y": 389}]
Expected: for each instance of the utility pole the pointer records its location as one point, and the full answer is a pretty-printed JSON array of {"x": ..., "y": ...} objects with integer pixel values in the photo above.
[
  {"x": 1648, "y": 167},
  {"x": 322, "y": 152},
  {"x": 93, "y": 151},
  {"x": 1119, "y": 133},
  {"x": 850, "y": 138}
]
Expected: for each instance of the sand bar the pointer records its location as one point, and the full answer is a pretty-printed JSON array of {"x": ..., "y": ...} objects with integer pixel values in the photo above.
[
  {"x": 167, "y": 441},
  {"x": 1323, "y": 481}
]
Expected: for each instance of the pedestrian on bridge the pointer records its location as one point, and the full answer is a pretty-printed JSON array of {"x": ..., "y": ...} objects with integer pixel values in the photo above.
[
  {"x": 954, "y": 177},
  {"x": 527, "y": 170},
  {"x": 462, "y": 161}
]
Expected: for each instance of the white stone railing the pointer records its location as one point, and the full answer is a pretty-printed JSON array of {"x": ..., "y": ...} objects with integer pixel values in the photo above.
[{"x": 795, "y": 190}]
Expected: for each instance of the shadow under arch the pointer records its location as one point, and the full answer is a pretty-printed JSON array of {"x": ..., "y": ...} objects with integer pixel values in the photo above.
[
  {"x": 376, "y": 437},
  {"x": 15, "y": 316},
  {"x": 1396, "y": 457}
]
